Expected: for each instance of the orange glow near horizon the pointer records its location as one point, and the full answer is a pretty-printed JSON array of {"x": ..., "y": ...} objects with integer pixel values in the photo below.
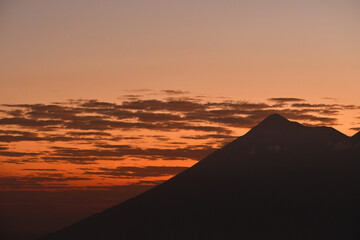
[{"x": 143, "y": 139}]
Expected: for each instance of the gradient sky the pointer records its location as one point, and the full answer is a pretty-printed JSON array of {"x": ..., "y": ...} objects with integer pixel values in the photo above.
[
  {"x": 55, "y": 50},
  {"x": 101, "y": 100}
]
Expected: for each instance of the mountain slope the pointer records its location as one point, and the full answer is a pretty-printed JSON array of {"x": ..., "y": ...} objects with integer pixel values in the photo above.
[
  {"x": 356, "y": 138},
  {"x": 281, "y": 180}
]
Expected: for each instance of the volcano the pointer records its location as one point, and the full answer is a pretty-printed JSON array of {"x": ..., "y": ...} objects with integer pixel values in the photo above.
[
  {"x": 356, "y": 138},
  {"x": 281, "y": 180}
]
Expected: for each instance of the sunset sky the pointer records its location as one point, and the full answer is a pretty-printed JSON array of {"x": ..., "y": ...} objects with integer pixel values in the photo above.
[{"x": 101, "y": 100}]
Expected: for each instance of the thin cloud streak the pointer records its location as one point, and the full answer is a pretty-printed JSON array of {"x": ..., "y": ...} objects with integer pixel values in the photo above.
[{"x": 144, "y": 126}]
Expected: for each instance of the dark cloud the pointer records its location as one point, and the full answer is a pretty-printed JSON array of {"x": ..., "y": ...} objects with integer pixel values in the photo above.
[
  {"x": 208, "y": 136},
  {"x": 17, "y": 154},
  {"x": 237, "y": 106},
  {"x": 3, "y": 148},
  {"x": 141, "y": 90},
  {"x": 330, "y": 98},
  {"x": 37, "y": 180},
  {"x": 234, "y": 121},
  {"x": 24, "y": 122},
  {"x": 150, "y": 182},
  {"x": 159, "y": 105},
  {"x": 18, "y": 136},
  {"x": 324, "y": 109},
  {"x": 16, "y": 132},
  {"x": 62, "y": 138},
  {"x": 117, "y": 152},
  {"x": 162, "y": 115},
  {"x": 174, "y": 92},
  {"x": 96, "y": 104},
  {"x": 98, "y": 124},
  {"x": 161, "y": 138},
  {"x": 156, "y": 117},
  {"x": 18, "y": 182},
  {"x": 56, "y": 179},
  {"x": 202, "y": 128},
  {"x": 137, "y": 172},
  {"x": 131, "y": 97},
  {"x": 76, "y": 160},
  {"x": 88, "y": 133},
  {"x": 177, "y": 143},
  {"x": 44, "y": 111},
  {"x": 41, "y": 169},
  {"x": 309, "y": 105},
  {"x": 355, "y": 128},
  {"x": 150, "y": 125},
  {"x": 15, "y": 113},
  {"x": 286, "y": 100}
]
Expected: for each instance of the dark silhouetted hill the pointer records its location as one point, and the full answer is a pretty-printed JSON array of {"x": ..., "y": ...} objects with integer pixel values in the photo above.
[
  {"x": 280, "y": 181},
  {"x": 356, "y": 138}
]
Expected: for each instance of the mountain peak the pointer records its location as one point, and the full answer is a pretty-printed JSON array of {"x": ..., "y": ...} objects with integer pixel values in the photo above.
[
  {"x": 275, "y": 119},
  {"x": 356, "y": 137},
  {"x": 276, "y": 126}
]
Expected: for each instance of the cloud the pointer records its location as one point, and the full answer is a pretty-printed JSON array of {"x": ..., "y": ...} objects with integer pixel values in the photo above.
[
  {"x": 286, "y": 100},
  {"x": 37, "y": 180},
  {"x": 149, "y": 125},
  {"x": 14, "y": 113},
  {"x": 137, "y": 172},
  {"x": 150, "y": 182},
  {"x": 17, "y": 154},
  {"x": 209, "y": 136},
  {"x": 326, "y": 106},
  {"x": 162, "y": 138},
  {"x": 24, "y": 122},
  {"x": 174, "y": 92},
  {"x": 330, "y": 98},
  {"x": 12, "y": 138},
  {"x": 156, "y": 117},
  {"x": 118, "y": 152},
  {"x": 41, "y": 169},
  {"x": 159, "y": 105},
  {"x": 160, "y": 115},
  {"x": 3, "y": 148},
  {"x": 145, "y": 126},
  {"x": 19, "y": 136},
  {"x": 76, "y": 160},
  {"x": 309, "y": 105},
  {"x": 89, "y": 133},
  {"x": 141, "y": 90}
]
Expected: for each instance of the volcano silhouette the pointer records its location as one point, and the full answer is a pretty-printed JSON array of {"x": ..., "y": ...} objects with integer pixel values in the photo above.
[
  {"x": 281, "y": 180},
  {"x": 356, "y": 138}
]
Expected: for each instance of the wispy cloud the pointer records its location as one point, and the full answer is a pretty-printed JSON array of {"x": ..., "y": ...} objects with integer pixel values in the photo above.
[
  {"x": 144, "y": 126},
  {"x": 137, "y": 172}
]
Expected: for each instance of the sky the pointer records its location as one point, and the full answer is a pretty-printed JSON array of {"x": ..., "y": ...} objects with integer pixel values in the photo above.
[
  {"x": 101, "y": 100},
  {"x": 253, "y": 50}
]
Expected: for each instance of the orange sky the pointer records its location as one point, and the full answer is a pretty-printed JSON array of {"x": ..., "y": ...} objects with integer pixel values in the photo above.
[
  {"x": 51, "y": 51},
  {"x": 145, "y": 137},
  {"x": 104, "y": 94}
]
